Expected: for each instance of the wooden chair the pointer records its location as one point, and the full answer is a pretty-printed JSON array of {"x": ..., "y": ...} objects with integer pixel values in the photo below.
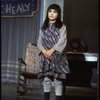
[{"x": 28, "y": 69}]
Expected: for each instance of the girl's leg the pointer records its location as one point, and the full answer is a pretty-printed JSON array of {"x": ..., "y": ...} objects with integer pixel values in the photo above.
[
  {"x": 47, "y": 87},
  {"x": 58, "y": 85}
]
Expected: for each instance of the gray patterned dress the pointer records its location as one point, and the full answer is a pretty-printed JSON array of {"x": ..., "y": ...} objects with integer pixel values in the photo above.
[{"x": 54, "y": 38}]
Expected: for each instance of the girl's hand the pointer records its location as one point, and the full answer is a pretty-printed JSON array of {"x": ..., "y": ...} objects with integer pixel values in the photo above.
[
  {"x": 44, "y": 53},
  {"x": 48, "y": 53}
]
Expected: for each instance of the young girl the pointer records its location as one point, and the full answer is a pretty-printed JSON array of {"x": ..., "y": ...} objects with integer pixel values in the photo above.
[{"x": 52, "y": 41}]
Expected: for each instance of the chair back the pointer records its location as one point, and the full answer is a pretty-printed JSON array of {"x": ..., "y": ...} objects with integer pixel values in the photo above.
[{"x": 32, "y": 58}]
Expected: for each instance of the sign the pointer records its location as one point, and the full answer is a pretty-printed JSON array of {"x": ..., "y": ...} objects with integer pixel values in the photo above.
[{"x": 19, "y": 8}]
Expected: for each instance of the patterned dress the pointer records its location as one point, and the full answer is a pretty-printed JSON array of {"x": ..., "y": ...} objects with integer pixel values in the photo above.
[{"x": 56, "y": 67}]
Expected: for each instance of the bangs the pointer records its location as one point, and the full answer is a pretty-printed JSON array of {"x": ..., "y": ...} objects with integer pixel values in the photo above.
[{"x": 55, "y": 7}]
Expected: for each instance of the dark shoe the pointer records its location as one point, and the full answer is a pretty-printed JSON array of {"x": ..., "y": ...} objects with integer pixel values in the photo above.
[
  {"x": 46, "y": 95},
  {"x": 58, "y": 97}
]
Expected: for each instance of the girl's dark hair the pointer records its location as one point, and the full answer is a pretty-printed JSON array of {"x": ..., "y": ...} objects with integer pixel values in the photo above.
[{"x": 58, "y": 22}]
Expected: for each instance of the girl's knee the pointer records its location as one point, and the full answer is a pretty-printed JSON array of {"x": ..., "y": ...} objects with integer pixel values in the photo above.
[
  {"x": 58, "y": 87},
  {"x": 47, "y": 84}
]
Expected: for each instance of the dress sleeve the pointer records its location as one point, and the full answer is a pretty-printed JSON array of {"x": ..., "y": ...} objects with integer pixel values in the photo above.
[
  {"x": 60, "y": 45},
  {"x": 39, "y": 41}
]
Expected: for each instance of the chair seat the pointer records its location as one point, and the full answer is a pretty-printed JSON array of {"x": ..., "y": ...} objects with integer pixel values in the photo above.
[{"x": 29, "y": 75}]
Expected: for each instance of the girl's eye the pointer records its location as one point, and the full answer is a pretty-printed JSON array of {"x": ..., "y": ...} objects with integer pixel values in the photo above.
[
  {"x": 49, "y": 10},
  {"x": 54, "y": 11}
]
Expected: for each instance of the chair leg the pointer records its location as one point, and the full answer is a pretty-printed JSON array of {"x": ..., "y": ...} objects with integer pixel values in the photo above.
[{"x": 21, "y": 86}]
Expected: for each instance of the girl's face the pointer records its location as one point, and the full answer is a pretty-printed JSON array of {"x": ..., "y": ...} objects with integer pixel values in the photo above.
[{"x": 52, "y": 15}]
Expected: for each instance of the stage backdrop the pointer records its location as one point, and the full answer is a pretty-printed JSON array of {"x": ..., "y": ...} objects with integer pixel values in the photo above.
[
  {"x": 19, "y": 8},
  {"x": 17, "y": 30}
]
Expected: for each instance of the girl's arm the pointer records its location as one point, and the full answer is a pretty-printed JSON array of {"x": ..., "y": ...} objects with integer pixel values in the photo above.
[
  {"x": 60, "y": 45},
  {"x": 40, "y": 46},
  {"x": 39, "y": 41}
]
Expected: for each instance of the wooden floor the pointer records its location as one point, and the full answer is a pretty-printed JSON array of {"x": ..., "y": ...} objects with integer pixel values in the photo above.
[{"x": 8, "y": 92}]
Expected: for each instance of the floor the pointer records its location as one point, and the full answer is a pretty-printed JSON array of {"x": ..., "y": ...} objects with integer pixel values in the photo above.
[{"x": 8, "y": 92}]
